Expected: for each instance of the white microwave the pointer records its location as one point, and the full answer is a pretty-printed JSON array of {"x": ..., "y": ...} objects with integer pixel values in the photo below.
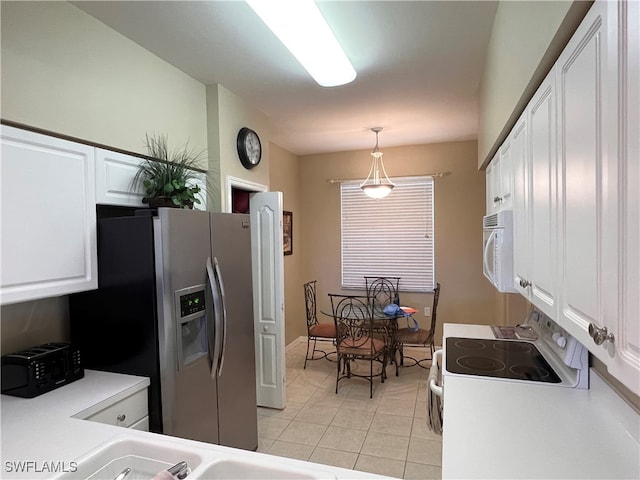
[{"x": 498, "y": 250}]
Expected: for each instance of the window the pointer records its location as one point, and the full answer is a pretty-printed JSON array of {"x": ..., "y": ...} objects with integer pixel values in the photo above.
[{"x": 389, "y": 237}]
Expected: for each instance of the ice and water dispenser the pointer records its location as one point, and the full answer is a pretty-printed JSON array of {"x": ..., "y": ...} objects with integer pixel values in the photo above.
[{"x": 191, "y": 322}]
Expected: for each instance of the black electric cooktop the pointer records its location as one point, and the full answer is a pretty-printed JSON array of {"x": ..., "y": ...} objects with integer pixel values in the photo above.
[{"x": 506, "y": 359}]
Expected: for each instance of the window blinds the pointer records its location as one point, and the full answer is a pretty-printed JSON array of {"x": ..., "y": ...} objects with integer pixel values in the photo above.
[{"x": 389, "y": 237}]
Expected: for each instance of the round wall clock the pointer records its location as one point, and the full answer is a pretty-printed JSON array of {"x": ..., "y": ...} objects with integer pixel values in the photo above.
[{"x": 249, "y": 147}]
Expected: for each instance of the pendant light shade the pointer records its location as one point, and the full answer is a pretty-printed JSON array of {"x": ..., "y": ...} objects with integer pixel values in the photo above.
[{"x": 377, "y": 184}]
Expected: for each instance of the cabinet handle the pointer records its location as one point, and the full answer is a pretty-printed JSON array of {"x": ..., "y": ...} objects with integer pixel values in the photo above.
[
  {"x": 600, "y": 335},
  {"x": 497, "y": 199},
  {"x": 524, "y": 283},
  {"x": 121, "y": 417}
]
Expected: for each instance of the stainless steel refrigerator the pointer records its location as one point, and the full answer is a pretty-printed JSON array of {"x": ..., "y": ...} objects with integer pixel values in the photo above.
[{"x": 175, "y": 304}]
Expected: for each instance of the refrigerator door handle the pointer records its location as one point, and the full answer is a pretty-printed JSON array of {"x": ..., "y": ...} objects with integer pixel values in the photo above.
[
  {"x": 212, "y": 333},
  {"x": 224, "y": 315}
]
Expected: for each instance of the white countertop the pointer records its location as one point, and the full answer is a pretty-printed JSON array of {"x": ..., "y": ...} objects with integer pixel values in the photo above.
[
  {"x": 502, "y": 429},
  {"x": 42, "y": 429}
]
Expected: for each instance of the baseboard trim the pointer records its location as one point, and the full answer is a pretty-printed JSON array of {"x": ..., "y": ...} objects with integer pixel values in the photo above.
[{"x": 301, "y": 339}]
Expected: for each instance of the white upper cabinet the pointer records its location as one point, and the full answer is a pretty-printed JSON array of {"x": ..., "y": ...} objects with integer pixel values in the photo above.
[
  {"x": 587, "y": 174},
  {"x": 114, "y": 179},
  {"x": 48, "y": 220},
  {"x": 499, "y": 180},
  {"x": 492, "y": 176},
  {"x": 623, "y": 354},
  {"x": 576, "y": 190},
  {"x": 541, "y": 114},
  {"x": 534, "y": 199},
  {"x": 115, "y": 174},
  {"x": 521, "y": 207}
]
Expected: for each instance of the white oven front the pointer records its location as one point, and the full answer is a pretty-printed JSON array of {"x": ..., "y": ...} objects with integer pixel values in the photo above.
[{"x": 549, "y": 356}]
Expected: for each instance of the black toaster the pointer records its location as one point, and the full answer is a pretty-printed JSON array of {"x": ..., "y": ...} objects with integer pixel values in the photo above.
[{"x": 40, "y": 369}]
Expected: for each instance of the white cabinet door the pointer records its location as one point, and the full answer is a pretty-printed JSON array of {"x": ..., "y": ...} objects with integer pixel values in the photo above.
[
  {"x": 587, "y": 176},
  {"x": 624, "y": 352},
  {"x": 493, "y": 184},
  {"x": 114, "y": 179},
  {"x": 534, "y": 199},
  {"x": 48, "y": 220},
  {"x": 115, "y": 174},
  {"x": 521, "y": 207},
  {"x": 542, "y": 281},
  {"x": 499, "y": 180},
  {"x": 505, "y": 179}
]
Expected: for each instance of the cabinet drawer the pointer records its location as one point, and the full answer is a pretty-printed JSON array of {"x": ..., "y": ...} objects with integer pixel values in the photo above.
[
  {"x": 142, "y": 424},
  {"x": 124, "y": 413}
]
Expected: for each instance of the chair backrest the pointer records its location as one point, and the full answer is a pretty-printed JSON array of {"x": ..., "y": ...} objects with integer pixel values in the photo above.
[
  {"x": 381, "y": 291},
  {"x": 353, "y": 319},
  {"x": 434, "y": 309},
  {"x": 310, "y": 303}
]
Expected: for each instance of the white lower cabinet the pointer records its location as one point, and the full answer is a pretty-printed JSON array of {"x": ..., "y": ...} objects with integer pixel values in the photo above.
[
  {"x": 48, "y": 220},
  {"x": 130, "y": 412}
]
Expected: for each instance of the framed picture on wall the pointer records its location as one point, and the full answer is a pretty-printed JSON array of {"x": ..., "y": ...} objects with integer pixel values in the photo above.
[{"x": 287, "y": 228}]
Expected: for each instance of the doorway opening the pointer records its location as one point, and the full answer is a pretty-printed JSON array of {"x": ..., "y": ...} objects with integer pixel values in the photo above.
[{"x": 239, "y": 192}]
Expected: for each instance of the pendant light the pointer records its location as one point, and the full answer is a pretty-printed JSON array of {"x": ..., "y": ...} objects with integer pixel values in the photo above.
[{"x": 377, "y": 186}]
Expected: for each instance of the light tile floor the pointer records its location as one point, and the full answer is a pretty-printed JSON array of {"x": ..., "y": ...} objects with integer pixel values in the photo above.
[{"x": 386, "y": 435}]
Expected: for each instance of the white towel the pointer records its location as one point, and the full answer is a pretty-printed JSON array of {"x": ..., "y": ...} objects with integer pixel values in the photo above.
[{"x": 434, "y": 403}]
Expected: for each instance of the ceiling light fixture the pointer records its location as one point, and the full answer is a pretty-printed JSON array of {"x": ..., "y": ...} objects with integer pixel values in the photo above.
[
  {"x": 375, "y": 186},
  {"x": 303, "y": 30}
]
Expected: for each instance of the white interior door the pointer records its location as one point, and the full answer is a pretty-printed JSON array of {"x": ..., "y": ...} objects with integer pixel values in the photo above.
[{"x": 268, "y": 297}]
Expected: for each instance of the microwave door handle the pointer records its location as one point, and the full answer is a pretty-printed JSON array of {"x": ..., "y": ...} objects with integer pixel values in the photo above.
[
  {"x": 487, "y": 266},
  {"x": 220, "y": 283},
  {"x": 212, "y": 333}
]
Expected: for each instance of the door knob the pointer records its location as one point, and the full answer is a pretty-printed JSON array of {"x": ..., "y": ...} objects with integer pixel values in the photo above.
[{"x": 600, "y": 335}]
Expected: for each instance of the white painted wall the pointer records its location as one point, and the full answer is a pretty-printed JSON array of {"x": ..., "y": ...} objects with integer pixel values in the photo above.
[
  {"x": 526, "y": 39},
  {"x": 64, "y": 71},
  {"x": 228, "y": 113}
]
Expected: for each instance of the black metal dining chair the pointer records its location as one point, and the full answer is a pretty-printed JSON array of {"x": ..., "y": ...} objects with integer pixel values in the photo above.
[
  {"x": 419, "y": 337},
  {"x": 316, "y": 330},
  {"x": 356, "y": 339},
  {"x": 381, "y": 292}
]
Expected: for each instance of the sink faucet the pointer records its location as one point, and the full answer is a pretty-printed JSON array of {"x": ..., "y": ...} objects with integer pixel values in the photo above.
[{"x": 179, "y": 470}]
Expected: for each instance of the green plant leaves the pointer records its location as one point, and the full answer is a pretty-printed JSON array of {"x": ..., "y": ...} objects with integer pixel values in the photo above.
[{"x": 168, "y": 173}]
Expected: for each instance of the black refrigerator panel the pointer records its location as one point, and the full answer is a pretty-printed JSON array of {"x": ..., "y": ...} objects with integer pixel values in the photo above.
[{"x": 115, "y": 326}]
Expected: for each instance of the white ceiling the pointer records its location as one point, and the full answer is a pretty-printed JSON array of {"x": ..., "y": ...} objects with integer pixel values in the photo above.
[{"x": 419, "y": 66}]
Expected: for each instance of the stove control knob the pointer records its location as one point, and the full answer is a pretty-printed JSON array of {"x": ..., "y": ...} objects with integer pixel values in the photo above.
[{"x": 560, "y": 339}]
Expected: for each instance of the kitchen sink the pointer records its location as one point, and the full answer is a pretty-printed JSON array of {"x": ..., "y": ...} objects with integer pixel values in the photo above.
[
  {"x": 267, "y": 469},
  {"x": 144, "y": 458}
]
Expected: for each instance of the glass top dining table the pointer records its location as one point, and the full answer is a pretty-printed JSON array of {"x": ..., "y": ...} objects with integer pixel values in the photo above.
[{"x": 384, "y": 324}]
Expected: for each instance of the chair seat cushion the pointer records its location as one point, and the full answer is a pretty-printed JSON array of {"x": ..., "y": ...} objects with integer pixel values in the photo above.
[
  {"x": 324, "y": 330},
  {"x": 361, "y": 346},
  {"x": 405, "y": 335}
]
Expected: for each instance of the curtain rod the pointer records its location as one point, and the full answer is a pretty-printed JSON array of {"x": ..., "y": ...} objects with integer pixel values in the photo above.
[{"x": 435, "y": 174}]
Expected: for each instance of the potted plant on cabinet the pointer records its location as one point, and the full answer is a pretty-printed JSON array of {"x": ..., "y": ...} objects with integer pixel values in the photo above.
[{"x": 167, "y": 177}]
